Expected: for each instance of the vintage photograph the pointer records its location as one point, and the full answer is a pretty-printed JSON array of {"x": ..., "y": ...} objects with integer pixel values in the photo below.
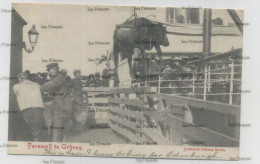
[{"x": 125, "y": 81}]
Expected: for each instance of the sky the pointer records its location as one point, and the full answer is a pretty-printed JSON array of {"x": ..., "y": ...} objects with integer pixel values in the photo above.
[
  {"x": 70, "y": 43},
  {"x": 82, "y": 25}
]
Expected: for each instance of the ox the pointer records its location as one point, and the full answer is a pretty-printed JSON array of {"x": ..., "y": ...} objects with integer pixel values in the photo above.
[{"x": 138, "y": 33}]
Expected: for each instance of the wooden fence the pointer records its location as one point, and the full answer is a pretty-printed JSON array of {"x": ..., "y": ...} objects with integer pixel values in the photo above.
[{"x": 142, "y": 116}]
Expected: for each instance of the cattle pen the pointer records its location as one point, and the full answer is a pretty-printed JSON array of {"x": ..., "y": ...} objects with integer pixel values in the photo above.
[{"x": 199, "y": 108}]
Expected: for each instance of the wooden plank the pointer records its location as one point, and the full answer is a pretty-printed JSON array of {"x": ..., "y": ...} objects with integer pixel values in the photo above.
[
  {"x": 105, "y": 93},
  {"x": 220, "y": 62},
  {"x": 129, "y": 90},
  {"x": 201, "y": 104},
  {"x": 134, "y": 114},
  {"x": 100, "y": 89},
  {"x": 199, "y": 133},
  {"x": 197, "y": 30},
  {"x": 219, "y": 56},
  {"x": 132, "y": 102},
  {"x": 159, "y": 139},
  {"x": 236, "y": 19},
  {"x": 154, "y": 114},
  {"x": 98, "y": 100},
  {"x": 104, "y": 108},
  {"x": 127, "y": 134},
  {"x": 126, "y": 123}
]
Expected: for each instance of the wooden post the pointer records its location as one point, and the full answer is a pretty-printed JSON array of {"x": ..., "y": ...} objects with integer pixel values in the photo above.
[
  {"x": 150, "y": 61},
  {"x": 188, "y": 16},
  {"x": 174, "y": 16},
  {"x": 209, "y": 84},
  {"x": 207, "y": 32},
  {"x": 93, "y": 97},
  {"x": 206, "y": 44},
  {"x": 159, "y": 84},
  {"x": 205, "y": 82},
  {"x": 193, "y": 85},
  {"x": 231, "y": 83},
  {"x": 236, "y": 19}
]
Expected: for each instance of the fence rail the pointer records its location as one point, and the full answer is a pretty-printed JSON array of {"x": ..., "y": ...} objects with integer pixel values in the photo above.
[
  {"x": 168, "y": 119},
  {"x": 144, "y": 113}
]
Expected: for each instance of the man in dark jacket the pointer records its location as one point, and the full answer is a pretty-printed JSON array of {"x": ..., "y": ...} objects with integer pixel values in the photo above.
[
  {"x": 106, "y": 75},
  {"x": 58, "y": 88},
  {"x": 98, "y": 81},
  {"x": 77, "y": 88}
]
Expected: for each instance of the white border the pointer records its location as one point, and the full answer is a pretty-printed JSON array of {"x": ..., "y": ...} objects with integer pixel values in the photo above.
[{"x": 250, "y": 136}]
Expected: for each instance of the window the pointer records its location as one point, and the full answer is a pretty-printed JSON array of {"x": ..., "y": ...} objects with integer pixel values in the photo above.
[
  {"x": 180, "y": 19},
  {"x": 217, "y": 21},
  {"x": 170, "y": 15},
  {"x": 190, "y": 16},
  {"x": 194, "y": 16}
]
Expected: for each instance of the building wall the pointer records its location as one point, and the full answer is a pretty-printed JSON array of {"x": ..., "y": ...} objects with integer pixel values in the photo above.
[
  {"x": 16, "y": 50},
  {"x": 194, "y": 43},
  {"x": 17, "y": 127}
]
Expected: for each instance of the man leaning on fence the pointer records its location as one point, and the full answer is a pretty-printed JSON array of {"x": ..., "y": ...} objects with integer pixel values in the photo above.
[
  {"x": 31, "y": 106},
  {"x": 58, "y": 88}
]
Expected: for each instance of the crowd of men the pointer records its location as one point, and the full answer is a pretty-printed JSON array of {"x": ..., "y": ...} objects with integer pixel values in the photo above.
[
  {"x": 61, "y": 94},
  {"x": 176, "y": 77},
  {"x": 92, "y": 80},
  {"x": 65, "y": 95},
  {"x": 152, "y": 72}
]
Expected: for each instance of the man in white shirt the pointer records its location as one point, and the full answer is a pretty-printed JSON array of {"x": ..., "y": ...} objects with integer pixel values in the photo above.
[{"x": 31, "y": 106}]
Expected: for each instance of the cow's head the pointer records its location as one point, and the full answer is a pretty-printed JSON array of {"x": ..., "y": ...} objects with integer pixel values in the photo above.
[{"x": 161, "y": 35}]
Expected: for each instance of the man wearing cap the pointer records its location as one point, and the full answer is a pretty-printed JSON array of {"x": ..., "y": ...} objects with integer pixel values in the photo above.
[
  {"x": 77, "y": 87},
  {"x": 155, "y": 69},
  {"x": 58, "y": 88},
  {"x": 79, "y": 115},
  {"x": 98, "y": 81},
  {"x": 106, "y": 75},
  {"x": 28, "y": 75},
  {"x": 31, "y": 106},
  {"x": 39, "y": 78},
  {"x": 91, "y": 81},
  {"x": 65, "y": 74}
]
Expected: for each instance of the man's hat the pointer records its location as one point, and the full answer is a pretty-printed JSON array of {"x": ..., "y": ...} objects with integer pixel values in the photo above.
[
  {"x": 76, "y": 71},
  {"x": 51, "y": 65},
  {"x": 97, "y": 74},
  {"x": 22, "y": 74},
  {"x": 91, "y": 76},
  {"x": 63, "y": 71},
  {"x": 176, "y": 58}
]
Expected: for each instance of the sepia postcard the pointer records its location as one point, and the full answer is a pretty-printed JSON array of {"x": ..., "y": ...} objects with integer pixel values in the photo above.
[{"x": 125, "y": 81}]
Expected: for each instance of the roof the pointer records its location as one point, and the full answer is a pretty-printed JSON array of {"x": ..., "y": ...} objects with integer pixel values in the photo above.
[
  {"x": 18, "y": 17},
  {"x": 187, "y": 39},
  {"x": 218, "y": 56},
  {"x": 197, "y": 30}
]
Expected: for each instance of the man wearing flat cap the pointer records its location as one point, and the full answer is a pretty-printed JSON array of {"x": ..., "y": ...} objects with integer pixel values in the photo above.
[
  {"x": 79, "y": 115},
  {"x": 107, "y": 74},
  {"x": 77, "y": 87},
  {"x": 98, "y": 81},
  {"x": 58, "y": 88},
  {"x": 31, "y": 106}
]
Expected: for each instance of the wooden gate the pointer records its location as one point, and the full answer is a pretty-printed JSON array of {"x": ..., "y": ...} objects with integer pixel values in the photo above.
[{"x": 145, "y": 117}]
